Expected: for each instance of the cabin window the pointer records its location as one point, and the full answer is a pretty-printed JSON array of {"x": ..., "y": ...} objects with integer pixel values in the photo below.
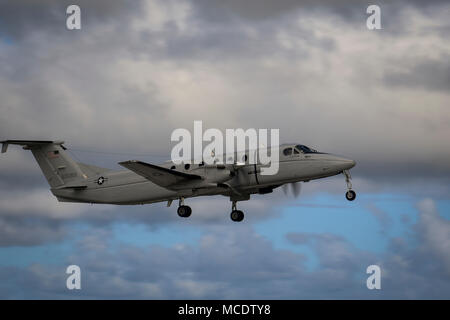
[{"x": 287, "y": 152}]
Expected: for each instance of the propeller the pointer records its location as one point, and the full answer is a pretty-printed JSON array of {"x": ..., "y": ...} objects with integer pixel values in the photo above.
[{"x": 295, "y": 188}]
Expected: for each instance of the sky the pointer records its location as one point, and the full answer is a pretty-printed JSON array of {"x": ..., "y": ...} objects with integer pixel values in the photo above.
[{"x": 137, "y": 70}]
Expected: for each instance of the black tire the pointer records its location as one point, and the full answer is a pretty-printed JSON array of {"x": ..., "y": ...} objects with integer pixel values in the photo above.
[
  {"x": 350, "y": 195},
  {"x": 188, "y": 212},
  {"x": 237, "y": 215},
  {"x": 181, "y": 211},
  {"x": 184, "y": 211}
]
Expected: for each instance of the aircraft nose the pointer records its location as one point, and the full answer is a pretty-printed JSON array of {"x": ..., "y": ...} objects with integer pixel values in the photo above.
[
  {"x": 341, "y": 163},
  {"x": 347, "y": 163}
]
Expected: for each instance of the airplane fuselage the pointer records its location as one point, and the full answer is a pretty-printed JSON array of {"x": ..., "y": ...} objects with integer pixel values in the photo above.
[
  {"x": 126, "y": 187},
  {"x": 72, "y": 181}
]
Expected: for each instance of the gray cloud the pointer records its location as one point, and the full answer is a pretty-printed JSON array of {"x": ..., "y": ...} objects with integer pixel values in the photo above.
[
  {"x": 123, "y": 84},
  {"x": 134, "y": 73},
  {"x": 429, "y": 74},
  {"x": 22, "y": 18},
  {"x": 256, "y": 10},
  {"x": 435, "y": 233},
  {"x": 29, "y": 231},
  {"x": 235, "y": 262},
  {"x": 115, "y": 75},
  {"x": 34, "y": 217},
  {"x": 382, "y": 217}
]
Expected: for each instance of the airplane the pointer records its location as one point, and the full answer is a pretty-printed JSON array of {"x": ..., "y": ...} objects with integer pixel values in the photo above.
[{"x": 144, "y": 183}]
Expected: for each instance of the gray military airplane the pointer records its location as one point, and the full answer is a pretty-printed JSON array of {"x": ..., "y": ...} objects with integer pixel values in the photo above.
[{"x": 143, "y": 183}]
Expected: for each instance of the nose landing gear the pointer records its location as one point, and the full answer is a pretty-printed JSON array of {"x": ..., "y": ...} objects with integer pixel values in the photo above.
[
  {"x": 236, "y": 215},
  {"x": 350, "y": 194}
]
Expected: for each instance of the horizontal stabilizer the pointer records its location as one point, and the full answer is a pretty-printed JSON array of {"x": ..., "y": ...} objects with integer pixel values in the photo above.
[
  {"x": 161, "y": 176},
  {"x": 27, "y": 143}
]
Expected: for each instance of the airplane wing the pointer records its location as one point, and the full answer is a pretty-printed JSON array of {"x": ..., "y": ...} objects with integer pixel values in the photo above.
[{"x": 161, "y": 176}]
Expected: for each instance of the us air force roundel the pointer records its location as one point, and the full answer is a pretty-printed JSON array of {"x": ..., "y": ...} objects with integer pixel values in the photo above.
[{"x": 101, "y": 180}]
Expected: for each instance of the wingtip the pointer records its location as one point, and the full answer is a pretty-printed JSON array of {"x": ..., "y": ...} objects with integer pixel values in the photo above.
[{"x": 128, "y": 161}]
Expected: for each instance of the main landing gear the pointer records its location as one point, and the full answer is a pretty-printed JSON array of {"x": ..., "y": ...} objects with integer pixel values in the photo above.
[
  {"x": 183, "y": 211},
  {"x": 350, "y": 194},
  {"x": 236, "y": 215}
]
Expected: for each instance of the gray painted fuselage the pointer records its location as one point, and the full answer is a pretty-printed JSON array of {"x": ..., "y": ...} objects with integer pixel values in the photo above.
[{"x": 126, "y": 187}]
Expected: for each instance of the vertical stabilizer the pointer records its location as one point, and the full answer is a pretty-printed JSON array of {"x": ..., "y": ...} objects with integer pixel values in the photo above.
[{"x": 58, "y": 167}]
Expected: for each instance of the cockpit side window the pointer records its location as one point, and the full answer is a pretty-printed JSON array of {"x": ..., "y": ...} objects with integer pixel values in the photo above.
[
  {"x": 287, "y": 152},
  {"x": 305, "y": 149},
  {"x": 296, "y": 151}
]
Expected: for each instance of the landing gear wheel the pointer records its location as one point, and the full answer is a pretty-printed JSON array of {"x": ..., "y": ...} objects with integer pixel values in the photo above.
[
  {"x": 237, "y": 215},
  {"x": 350, "y": 195},
  {"x": 184, "y": 211}
]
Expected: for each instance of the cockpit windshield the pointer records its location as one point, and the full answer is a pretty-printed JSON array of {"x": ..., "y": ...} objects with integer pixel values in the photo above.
[{"x": 305, "y": 149}]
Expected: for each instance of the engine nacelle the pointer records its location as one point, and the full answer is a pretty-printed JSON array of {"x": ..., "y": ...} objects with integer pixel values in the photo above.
[{"x": 218, "y": 175}]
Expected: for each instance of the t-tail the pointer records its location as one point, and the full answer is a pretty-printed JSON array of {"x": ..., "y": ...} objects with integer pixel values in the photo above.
[{"x": 60, "y": 170}]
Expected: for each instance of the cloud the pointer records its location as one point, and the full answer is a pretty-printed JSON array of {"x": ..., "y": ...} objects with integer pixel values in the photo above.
[
  {"x": 27, "y": 232},
  {"x": 51, "y": 221},
  {"x": 136, "y": 72},
  {"x": 124, "y": 83},
  {"x": 23, "y": 18},
  {"x": 435, "y": 233},
  {"x": 382, "y": 217},
  {"x": 429, "y": 74},
  {"x": 235, "y": 262}
]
